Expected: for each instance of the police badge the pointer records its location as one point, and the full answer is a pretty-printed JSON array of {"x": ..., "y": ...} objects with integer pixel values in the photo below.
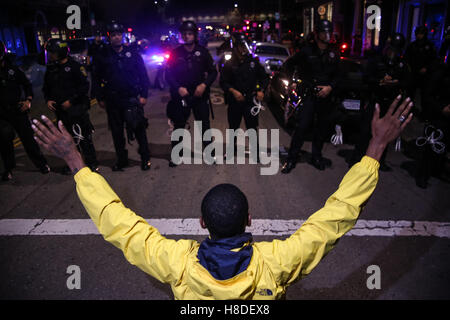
[
  {"x": 128, "y": 54},
  {"x": 67, "y": 69},
  {"x": 197, "y": 53}
]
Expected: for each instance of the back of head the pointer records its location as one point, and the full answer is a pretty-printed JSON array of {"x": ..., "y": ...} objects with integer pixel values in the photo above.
[
  {"x": 396, "y": 42},
  {"x": 421, "y": 30},
  {"x": 239, "y": 44},
  {"x": 188, "y": 25},
  {"x": 58, "y": 47},
  {"x": 114, "y": 26},
  {"x": 225, "y": 211}
]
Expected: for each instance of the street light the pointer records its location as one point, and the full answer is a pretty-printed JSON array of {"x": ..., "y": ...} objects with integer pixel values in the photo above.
[{"x": 235, "y": 5}]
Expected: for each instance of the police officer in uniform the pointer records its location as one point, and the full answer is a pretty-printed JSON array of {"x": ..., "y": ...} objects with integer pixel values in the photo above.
[
  {"x": 434, "y": 143},
  {"x": 66, "y": 89},
  {"x": 387, "y": 76},
  {"x": 14, "y": 116},
  {"x": 318, "y": 66},
  {"x": 421, "y": 55},
  {"x": 243, "y": 79},
  {"x": 121, "y": 86},
  {"x": 190, "y": 73}
]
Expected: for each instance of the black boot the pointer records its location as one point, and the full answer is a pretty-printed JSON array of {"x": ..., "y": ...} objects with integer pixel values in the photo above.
[
  {"x": 288, "y": 166},
  {"x": 321, "y": 163},
  {"x": 145, "y": 165},
  {"x": 7, "y": 176},
  {"x": 44, "y": 169},
  {"x": 119, "y": 166}
]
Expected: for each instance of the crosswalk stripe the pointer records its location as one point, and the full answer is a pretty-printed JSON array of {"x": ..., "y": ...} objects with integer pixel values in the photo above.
[{"x": 191, "y": 226}]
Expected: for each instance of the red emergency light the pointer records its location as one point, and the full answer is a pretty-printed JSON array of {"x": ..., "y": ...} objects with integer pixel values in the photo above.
[{"x": 130, "y": 30}]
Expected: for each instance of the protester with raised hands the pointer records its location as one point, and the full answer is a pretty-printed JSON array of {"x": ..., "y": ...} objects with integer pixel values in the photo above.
[{"x": 228, "y": 264}]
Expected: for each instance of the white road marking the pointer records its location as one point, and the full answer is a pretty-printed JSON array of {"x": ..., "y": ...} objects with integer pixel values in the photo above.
[{"x": 260, "y": 227}]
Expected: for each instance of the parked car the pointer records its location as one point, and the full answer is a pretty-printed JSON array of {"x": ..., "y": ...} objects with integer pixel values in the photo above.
[{"x": 270, "y": 55}]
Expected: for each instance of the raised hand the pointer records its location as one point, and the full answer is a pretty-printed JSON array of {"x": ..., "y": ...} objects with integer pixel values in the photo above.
[
  {"x": 388, "y": 128},
  {"x": 58, "y": 142}
]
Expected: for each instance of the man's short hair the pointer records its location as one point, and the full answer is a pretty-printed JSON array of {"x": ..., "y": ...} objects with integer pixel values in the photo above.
[{"x": 225, "y": 211}]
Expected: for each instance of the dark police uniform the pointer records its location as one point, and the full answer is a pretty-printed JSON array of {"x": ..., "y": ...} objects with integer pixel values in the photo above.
[
  {"x": 247, "y": 77},
  {"x": 68, "y": 81},
  {"x": 189, "y": 69},
  {"x": 12, "y": 82},
  {"x": 431, "y": 161},
  {"x": 378, "y": 67},
  {"x": 316, "y": 68},
  {"x": 421, "y": 54},
  {"x": 121, "y": 80}
]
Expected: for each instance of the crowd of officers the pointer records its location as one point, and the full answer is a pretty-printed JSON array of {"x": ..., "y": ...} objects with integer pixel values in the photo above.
[{"x": 120, "y": 84}]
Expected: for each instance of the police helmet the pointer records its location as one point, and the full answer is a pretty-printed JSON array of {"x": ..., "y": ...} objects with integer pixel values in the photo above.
[
  {"x": 397, "y": 41},
  {"x": 2, "y": 50},
  {"x": 239, "y": 39},
  {"x": 421, "y": 30},
  {"x": 58, "y": 46},
  {"x": 324, "y": 26},
  {"x": 114, "y": 27},
  {"x": 188, "y": 25}
]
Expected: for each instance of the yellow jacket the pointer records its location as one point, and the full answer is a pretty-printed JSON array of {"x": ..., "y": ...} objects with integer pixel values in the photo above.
[{"x": 273, "y": 266}]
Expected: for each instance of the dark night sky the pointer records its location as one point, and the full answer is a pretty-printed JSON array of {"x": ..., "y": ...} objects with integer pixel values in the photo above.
[
  {"x": 143, "y": 16},
  {"x": 144, "y": 10}
]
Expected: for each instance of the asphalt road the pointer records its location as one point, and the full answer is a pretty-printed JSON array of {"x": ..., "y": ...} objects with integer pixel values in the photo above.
[{"x": 35, "y": 266}]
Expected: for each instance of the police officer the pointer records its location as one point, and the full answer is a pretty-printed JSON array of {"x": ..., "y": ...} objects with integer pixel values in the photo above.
[
  {"x": 122, "y": 86},
  {"x": 434, "y": 143},
  {"x": 14, "y": 116},
  {"x": 243, "y": 79},
  {"x": 190, "y": 73},
  {"x": 95, "y": 47},
  {"x": 421, "y": 55},
  {"x": 318, "y": 64},
  {"x": 387, "y": 75},
  {"x": 66, "y": 90}
]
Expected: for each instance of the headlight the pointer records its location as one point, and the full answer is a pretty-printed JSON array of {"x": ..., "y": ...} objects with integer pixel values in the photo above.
[
  {"x": 286, "y": 83},
  {"x": 227, "y": 56}
]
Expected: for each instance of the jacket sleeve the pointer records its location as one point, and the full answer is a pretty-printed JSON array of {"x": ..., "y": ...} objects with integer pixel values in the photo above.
[
  {"x": 97, "y": 90},
  {"x": 82, "y": 84},
  {"x": 143, "y": 77},
  {"x": 225, "y": 79},
  {"x": 45, "y": 88},
  {"x": 336, "y": 72},
  {"x": 263, "y": 78},
  {"x": 295, "y": 257},
  {"x": 141, "y": 243},
  {"x": 210, "y": 69},
  {"x": 171, "y": 77}
]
